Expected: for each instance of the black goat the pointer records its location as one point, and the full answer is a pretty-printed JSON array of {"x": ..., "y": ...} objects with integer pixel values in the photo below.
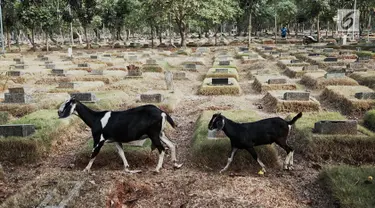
[
  {"x": 248, "y": 135},
  {"x": 124, "y": 126}
]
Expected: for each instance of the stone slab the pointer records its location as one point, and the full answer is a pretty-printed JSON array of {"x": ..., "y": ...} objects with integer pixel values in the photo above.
[
  {"x": 295, "y": 61},
  {"x": 220, "y": 81},
  {"x": 58, "y": 71},
  {"x": 50, "y": 66},
  {"x": 336, "y": 127},
  {"x": 224, "y": 63},
  {"x": 135, "y": 73},
  {"x": 93, "y": 57},
  {"x": 314, "y": 54},
  {"x": 84, "y": 96},
  {"x": 152, "y": 98},
  {"x": 365, "y": 95},
  {"x": 310, "y": 68},
  {"x": 333, "y": 75},
  {"x": 17, "y": 98},
  {"x": 20, "y": 66},
  {"x": 83, "y": 65},
  {"x": 277, "y": 81},
  {"x": 191, "y": 66},
  {"x": 14, "y": 73},
  {"x": 179, "y": 75},
  {"x": 97, "y": 72},
  {"x": 16, "y": 90},
  {"x": 70, "y": 85},
  {"x": 330, "y": 59},
  {"x": 300, "y": 96},
  {"x": 150, "y": 61},
  {"x": 221, "y": 71},
  {"x": 356, "y": 66},
  {"x": 17, "y": 130}
]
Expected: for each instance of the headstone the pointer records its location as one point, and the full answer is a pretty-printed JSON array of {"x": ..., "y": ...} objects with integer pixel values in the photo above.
[
  {"x": 107, "y": 55},
  {"x": 70, "y": 85},
  {"x": 96, "y": 72},
  {"x": 276, "y": 81},
  {"x": 152, "y": 98},
  {"x": 330, "y": 59},
  {"x": 220, "y": 81},
  {"x": 83, "y": 65},
  {"x": 365, "y": 95},
  {"x": 244, "y": 49},
  {"x": 17, "y": 130},
  {"x": 179, "y": 75},
  {"x": 150, "y": 61},
  {"x": 300, "y": 96},
  {"x": 20, "y": 66},
  {"x": 275, "y": 53},
  {"x": 356, "y": 66},
  {"x": 268, "y": 48},
  {"x": 224, "y": 63},
  {"x": 50, "y": 66},
  {"x": 336, "y": 127},
  {"x": 328, "y": 50},
  {"x": 58, "y": 72},
  {"x": 364, "y": 58},
  {"x": 191, "y": 66},
  {"x": 314, "y": 54},
  {"x": 295, "y": 61},
  {"x": 225, "y": 71},
  {"x": 14, "y": 73},
  {"x": 16, "y": 90},
  {"x": 70, "y": 52},
  {"x": 17, "y": 59},
  {"x": 44, "y": 58},
  {"x": 253, "y": 56},
  {"x": 310, "y": 68},
  {"x": 17, "y": 95},
  {"x": 133, "y": 58},
  {"x": 40, "y": 56},
  {"x": 93, "y": 57},
  {"x": 332, "y": 75},
  {"x": 84, "y": 96}
]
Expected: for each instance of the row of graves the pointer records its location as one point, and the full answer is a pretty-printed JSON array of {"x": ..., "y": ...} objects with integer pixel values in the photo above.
[
  {"x": 310, "y": 77},
  {"x": 222, "y": 78}
]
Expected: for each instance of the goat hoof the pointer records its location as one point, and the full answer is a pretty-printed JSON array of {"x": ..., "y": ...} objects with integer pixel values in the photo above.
[
  {"x": 86, "y": 170},
  {"x": 291, "y": 167},
  {"x": 132, "y": 171},
  {"x": 156, "y": 171},
  {"x": 177, "y": 166}
]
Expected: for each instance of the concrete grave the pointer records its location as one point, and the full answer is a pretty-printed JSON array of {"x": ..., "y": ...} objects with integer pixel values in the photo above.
[
  {"x": 336, "y": 127},
  {"x": 179, "y": 75},
  {"x": 83, "y": 65},
  {"x": 84, "y": 96},
  {"x": 224, "y": 63},
  {"x": 14, "y": 73},
  {"x": 152, "y": 98},
  {"x": 301, "y": 96},
  {"x": 333, "y": 75},
  {"x": 150, "y": 61},
  {"x": 93, "y": 57},
  {"x": 330, "y": 59},
  {"x": 356, "y": 66},
  {"x": 221, "y": 71},
  {"x": 70, "y": 85},
  {"x": 277, "y": 81},
  {"x": 365, "y": 95},
  {"x": 17, "y": 130},
  {"x": 311, "y": 68},
  {"x": 220, "y": 81},
  {"x": 58, "y": 72},
  {"x": 20, "y": 66}
]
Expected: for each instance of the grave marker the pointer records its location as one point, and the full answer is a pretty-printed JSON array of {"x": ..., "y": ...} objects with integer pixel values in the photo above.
[
  {"x": 332, "y": 75},
  {"x": 253, "y": 55},
  {"x": 244, "y": 49},
  {"x": 268, "y": 48},
  {"x": 58, "y": 72},
  {"x": 356, "y": 66},
  {"x": 220, "y": 81},
  {"x": 83, "y": 65},
  {"x": 17, "y": 130},
  {"x": 152, "y": 98},
  {"x": 133, "y": 58},
  {"x": 191, "y": 66},
  {"x": 330, "y": 59},
  {"x": 17, "y": 95},
  {"x": 336, "y": 127},
  {"x": 70, "y": 85},
  {"x": 221, "y": 71},
  {"x": 295, "y": 61},
  {"x": 224, "y": 63},
  {"x": 84, "y": 96},
  {"x": 277, "y": 81},
  {"x": 365, "y": 95},
  {"x": 93, "y": 57},
  {"x": 96, "y": 72},
  {"x": 328, "y": 50},
  {"x": 150, "y": 61},
  {"x": 50, "y": 66},
  {"x": 301, "y": 96},
  {"x": 20, "y": 66},
  {"x": 179, "y": 75},
  {"x": 14, "y": 73},
  {"x": 314, "y": 54},
  {"x": 310, "y": 68}
]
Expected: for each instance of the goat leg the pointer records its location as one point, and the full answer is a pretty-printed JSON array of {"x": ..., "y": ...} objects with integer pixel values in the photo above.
[{"x": 230, "y": 159}]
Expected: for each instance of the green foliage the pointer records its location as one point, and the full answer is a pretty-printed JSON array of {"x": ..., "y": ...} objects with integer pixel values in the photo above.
[{"x": 369, "y": 120}]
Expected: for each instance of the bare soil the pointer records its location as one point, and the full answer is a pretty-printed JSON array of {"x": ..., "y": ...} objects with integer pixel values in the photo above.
[{"x": 190, "y": 186}]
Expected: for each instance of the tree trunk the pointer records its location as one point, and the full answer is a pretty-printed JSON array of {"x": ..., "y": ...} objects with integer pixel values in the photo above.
[
  {"x": 47, "y": 46},
  {"x": 318, "y": 28},
  {"x": 33, "y": 39},
  {"x": 182, "y": 30},
  {"x": 87, "y": 39},
  {"x": 152, "y": 36},
  {"x": 8, "y": 37},
  {"x": 250, "y": 27}
]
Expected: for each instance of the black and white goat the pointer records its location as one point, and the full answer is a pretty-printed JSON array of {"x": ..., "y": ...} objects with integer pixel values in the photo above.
[
  {"x": 248, "y": 135},
  {"x": 124, "y": 126}
]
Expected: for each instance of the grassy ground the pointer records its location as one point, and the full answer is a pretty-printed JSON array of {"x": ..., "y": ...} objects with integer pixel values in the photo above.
[
  {"x": 351, "y": 149},
  {"x": 213, "y": 153},
  {"x": 49, "y": 130},
  {"x": 106, "y": 102},
  {"x": 348, "y": 187}
]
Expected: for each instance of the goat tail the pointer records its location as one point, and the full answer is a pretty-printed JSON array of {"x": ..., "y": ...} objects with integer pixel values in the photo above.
[
  {"x": 170, "y": 120},
  {"x": 299, "y": 115}
]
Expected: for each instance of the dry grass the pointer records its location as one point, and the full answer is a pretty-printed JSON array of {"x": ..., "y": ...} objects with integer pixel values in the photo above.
[
  {"x": 260, "y": 84},
  {"x": 342, "y": 97},
  {"x": 316, "y": 80},
  {"x": 213, "y": 153},
  {"x": 273, "y": 101},
  {"x": 231, "y": 73},
  {"x": 351, "y": 149},
  {"x": 364, "y": 78},
  {"x": 208, "y": 89},
  {"x": 49, "y": 131}
]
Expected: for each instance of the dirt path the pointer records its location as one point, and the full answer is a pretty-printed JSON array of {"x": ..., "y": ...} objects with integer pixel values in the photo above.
[{"x": 191, "y": 186}]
